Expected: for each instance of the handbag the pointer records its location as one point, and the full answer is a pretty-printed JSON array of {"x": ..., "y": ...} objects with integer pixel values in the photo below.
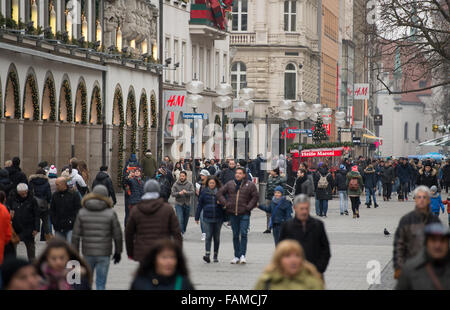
[{"x": 42, "y": 204}]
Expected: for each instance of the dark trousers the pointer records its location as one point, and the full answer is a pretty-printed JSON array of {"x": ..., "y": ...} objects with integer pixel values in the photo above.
[
  {"x": 387, "y": 190},
  {"x": 355, "y": 204},
  {"x": 212, "y": 230},
  {"x": 404, "y": 189},
  {"x": 31, "y": 248},
  {"x": 276, "y": 232},
  {"x": 323, "y": 207},
  {"x": 45, "y": 227}
]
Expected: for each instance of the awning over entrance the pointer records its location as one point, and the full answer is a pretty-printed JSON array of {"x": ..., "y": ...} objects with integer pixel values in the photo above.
[{"x": 441, "y": 141}]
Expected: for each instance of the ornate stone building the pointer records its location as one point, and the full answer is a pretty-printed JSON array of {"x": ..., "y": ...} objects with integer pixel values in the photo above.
[
  {"x": 277, "y": 55},
  {"x": 53, "y": 65}
]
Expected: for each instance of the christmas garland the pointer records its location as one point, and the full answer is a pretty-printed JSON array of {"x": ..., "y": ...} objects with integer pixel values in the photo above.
[
  {"x": 153, "y": 110},
  {"x": 13, "y": 78},
  {"x": 131, "y": 101},
  {"x": 118, "y": 98},
  {"x": 144, "y": 111},
  {"x": 98, "y": 99},
  {"x": 51, "y": 91},
  {"x": 83, "y": 104},
  {"x": 30, "y": 81},
  {"x": 68, "y": 98}
]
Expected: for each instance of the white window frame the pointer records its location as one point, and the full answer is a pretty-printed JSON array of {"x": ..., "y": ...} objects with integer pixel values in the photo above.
[
  {"x": 289, "y": 71},
  {"x": 239, "y": 13},
  {"x": 239, "y": 73},
  {"x": 290, "y": 15}
]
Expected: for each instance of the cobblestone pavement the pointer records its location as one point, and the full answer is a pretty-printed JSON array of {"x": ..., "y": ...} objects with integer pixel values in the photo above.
[{"x": 354, "y": 242}]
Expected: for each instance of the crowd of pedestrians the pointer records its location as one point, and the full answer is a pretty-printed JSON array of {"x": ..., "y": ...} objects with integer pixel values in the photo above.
[{"x": 79, "y": 223}]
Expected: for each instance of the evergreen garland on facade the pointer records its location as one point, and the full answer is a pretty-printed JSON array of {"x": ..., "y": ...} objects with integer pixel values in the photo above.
[
  {"x": 131, "y": 101},
  {"x": 31, "y": 81},
  {"x": 98, "y": 107},
  {"x": 119, "y": 100},
  {"x": 12, "y": 76},
  {"x": 319, "y": 133},
  {"x": 143, "y": 104},
  {"x": 83, "y": 104},
  {"x": 68, "y": 99},
  {"x": 51, "y": 92},
  {"x": 153, "y": 110}
]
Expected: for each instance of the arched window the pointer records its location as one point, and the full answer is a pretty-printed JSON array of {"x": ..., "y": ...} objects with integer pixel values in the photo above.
[
  {"x": 238, "y": 77},
  {"x": 290, "y": 82},
  {"x": 405, "y": 134},
  {"x": 417, "y": 132},
  {"x": 240, "y": 13}
]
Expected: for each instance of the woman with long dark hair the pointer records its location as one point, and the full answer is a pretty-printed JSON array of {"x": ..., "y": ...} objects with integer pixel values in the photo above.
[
  {"x": 164, "y": 268},
  {"x": 213, "y": 215}
]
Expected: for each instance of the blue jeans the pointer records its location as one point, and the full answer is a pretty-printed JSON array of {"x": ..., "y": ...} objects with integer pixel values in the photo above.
[
  {"x": 239, "y": 226},
  {"x": 370, "y": 192},
  {"x": 99, "y": 264},
  {"x": 65, "y": 235},
  {"x": 212, "y": 230},
  {"x": 183, "y": 212},
  {"x": 343, "y": 201},
  {"x": 395, "y": 188},
  {"x": 379, "y": 187},
  {"x": 276, "y": 228},
  {"x": 323, "y": 207},
  {"x": 317, "y": 207}
]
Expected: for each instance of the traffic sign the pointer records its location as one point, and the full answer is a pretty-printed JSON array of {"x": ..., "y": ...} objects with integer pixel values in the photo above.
[
  {"x": 195, "y": 115},
  {"x": 378, "y": 120},
  {"x": 300, "y": 131}
]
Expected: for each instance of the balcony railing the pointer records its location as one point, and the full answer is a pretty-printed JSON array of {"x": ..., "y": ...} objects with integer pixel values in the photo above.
[{"x": 242, "y": 38}]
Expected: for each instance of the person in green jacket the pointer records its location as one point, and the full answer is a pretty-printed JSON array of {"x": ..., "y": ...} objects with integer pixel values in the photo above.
[
  {"x": 149, "y": 165},
  {"x": 289, "y": 270},
  {"x": 355, "y": 185}
]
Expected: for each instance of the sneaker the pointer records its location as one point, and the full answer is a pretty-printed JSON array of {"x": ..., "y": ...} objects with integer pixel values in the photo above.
[
  {"x": 207, "y": 259},
  {"x": 216, "y": 260},
  {"x": 235, "y": 261},
  {"x": 203, "y": 236},
  {"x": 376, "y": 206},
  {"x": 346, "y": 212},
  {"x": 242, "y": 260},
  {"x": 267, "y": 231}
]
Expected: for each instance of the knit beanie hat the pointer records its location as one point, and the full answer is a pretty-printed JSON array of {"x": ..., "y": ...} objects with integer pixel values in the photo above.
[
  {"x": 52, "y": 170},
  {"x": 152, "y": 186},
  {"x": 279, "y": 189},
  {"x": 433, "y": 189},
  {"x": 101, "y": 190},
  {"x": 10, "y": 267},
  {"x": 205, "y": 173},
  {"x": 355, "y": 168}
]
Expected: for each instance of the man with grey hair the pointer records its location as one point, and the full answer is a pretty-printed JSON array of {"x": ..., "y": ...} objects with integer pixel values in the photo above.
[
  {"x": 309, "y": 232},
  {"x": 409, "y": 236},
  {"x": 25, "y": 216}
]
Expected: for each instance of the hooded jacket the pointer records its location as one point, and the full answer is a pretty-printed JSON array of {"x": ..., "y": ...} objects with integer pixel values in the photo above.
[
  {"x": 354, "y": 175},
  {"x": 227, "y": 175},
  {"x": 341, "y": 180},
  {"x": 409, "y": 236},
  {"x": 16, "y": 175},
  {"x": 387, "y": 174},
  {"x": 5, "y": 183},
  {"x": 97, "y": 226},
  {"x": 283, "y": 212},
  {"x": 414, "y": 275},
  {"x": 150, "y": 220},
  {"x": 38, "y": 183},
  {"x": 436, "y": 204},
  {"x": 304, "y": 186},
  {"x": 403, "y": 173},
  {"x": 149, "y": 165},
  {"x": 370, "y": 179},
  {"x": 64, "y": 209},
  {"x": 207, "y": 202},
  {"x": 136, "y": 190},
  {"x": 104, "y": 179},
  {"x": 323, "y": 193},
  {"x": 26, "y": 214},
  {"x": 185, "y": 198},
  {"x": 241, "y": 201},
  {"x": 427, "y": 178}
]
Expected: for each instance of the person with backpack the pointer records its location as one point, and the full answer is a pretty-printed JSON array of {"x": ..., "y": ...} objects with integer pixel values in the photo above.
[
  {"x": 323, "y": 182},
  {"x": 355, "y": 185},
  {"x": 40, "y": 187}
]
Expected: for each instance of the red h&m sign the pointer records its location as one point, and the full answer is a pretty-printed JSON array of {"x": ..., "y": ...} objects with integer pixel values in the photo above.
[
  {"x": 288, "y": 135},
  {"x": 361, "y": 91},
  {"x": 174, "y": 100},
  {"x": 321, "y": 153}
]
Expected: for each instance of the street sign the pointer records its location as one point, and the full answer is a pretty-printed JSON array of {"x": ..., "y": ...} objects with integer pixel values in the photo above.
[
  {"x": 356, "y": 140},
  {"x": 344, "y": 129},
  {"x": 234, "y": 115},
  {"x": 300, "y": 131},
  {"x": 378, "y": 120},
  {"x": 195, "y": 115}
]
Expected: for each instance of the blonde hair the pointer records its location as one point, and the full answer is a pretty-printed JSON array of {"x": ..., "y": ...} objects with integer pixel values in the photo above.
[
  {"x": 285, "y": 248},
  {"x": 8, "y": 163}
]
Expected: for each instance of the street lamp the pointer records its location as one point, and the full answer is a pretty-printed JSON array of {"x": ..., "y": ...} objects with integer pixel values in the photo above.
[
  {"x": 193, "y": 100},
  {"x": 285, "y": 114},
  {"x": 223, "y": 101},
  {"x": 246, "y": 94},
  {"x": 340, "y": 122}
]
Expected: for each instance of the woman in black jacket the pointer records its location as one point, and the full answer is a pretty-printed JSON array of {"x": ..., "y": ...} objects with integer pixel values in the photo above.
[
  {"x": 39, "y": 186},
  {"x": 164, "y": 268},
  {"x": 6, "y": 184},
  {"x": 303, "y": 184}
]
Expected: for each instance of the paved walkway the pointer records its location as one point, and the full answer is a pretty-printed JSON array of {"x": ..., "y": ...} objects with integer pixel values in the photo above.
[{"x": 353, "y": 244}]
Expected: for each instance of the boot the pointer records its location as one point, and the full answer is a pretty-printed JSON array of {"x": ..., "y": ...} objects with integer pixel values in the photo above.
[
  {"x": 346, "y": 212},
  {"x": 368, "y": 205},
  {"x": 206, "y": 258},
  {"x": 357, "y": 213},
  {"x": 215, "y": 257},
  {"x": 376, "y": 206}
]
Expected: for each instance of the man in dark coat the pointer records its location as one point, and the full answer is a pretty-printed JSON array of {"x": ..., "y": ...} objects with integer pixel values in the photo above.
[
  {"x": 430, "y": 268},
  {"x": 323, "y": 182},
  {"x": 446, "y": 175},
  {"x": 370, "y": 180},
  {"x": 25, "y": 216},
  {"x": 64, "y": 209},
  {"x": 15, "y": 173},
  {"x": 5, "y": 183},
  {"x": 427, "y": 176},
  {"x": 228, "y": 173},
  {"x": 404, "y": 175},
  {"x": 309, "y": 232},
  {"x": 148, "y": 164},
  {"x": 387, "y": 177},
  {"x": 104, "y": 179},
  {"x": 40, "y": 187}
]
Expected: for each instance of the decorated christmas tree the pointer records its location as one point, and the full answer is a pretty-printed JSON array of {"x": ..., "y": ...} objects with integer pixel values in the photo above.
[{"x": 319, "y": 133}]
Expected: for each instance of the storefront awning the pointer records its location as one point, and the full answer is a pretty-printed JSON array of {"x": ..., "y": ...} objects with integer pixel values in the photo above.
[{"x": 372, "y": 137}]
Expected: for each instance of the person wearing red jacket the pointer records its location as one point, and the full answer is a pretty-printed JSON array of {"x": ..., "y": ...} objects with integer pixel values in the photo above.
[
  {"x": 5, "y": 225},
  {"x": 447, "y": 202}
]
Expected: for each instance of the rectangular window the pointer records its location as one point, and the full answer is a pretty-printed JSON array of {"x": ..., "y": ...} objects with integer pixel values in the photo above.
[
  {"x": 217, "y": 69},
  {"x": 166, "y": 55},
  {"x": 208, "y": 69},
  {"x": 183, "y": 62},
  {"x": 201, "y": 61},
  {"x": 225, "y": 67},
  {"x": 176, "y": 58},
  {"x": 290, "y": 11},
  {"x": 194, "y": 62},
  {"x": 239, "y": 13}
]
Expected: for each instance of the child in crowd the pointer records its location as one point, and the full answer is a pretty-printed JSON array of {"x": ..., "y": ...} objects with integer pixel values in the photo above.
[{"x": 436, "y": 201}]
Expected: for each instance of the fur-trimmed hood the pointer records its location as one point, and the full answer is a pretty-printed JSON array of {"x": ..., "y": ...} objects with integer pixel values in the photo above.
[
  {"x": 95, "y": 202},
  {"x": 433, "y": 171},
  {"x": 369, "y": 169},
  {"x": 37, "y": 176}
]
